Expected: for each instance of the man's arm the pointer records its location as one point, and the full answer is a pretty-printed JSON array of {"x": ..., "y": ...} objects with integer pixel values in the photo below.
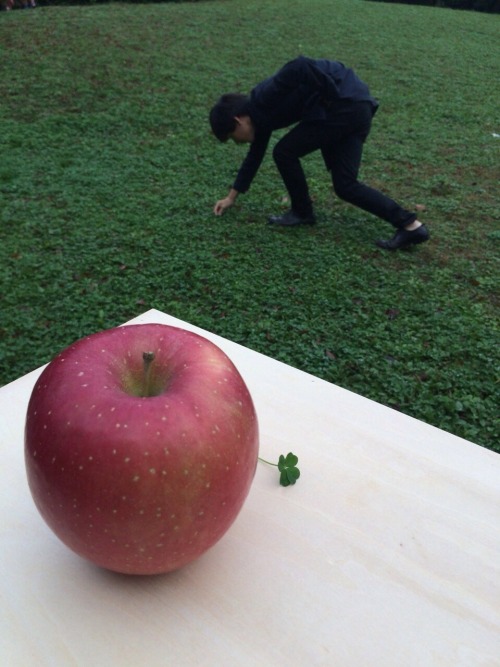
[
  {"x": 251, "y": 163},
  {"x": 246, "y": 172}
]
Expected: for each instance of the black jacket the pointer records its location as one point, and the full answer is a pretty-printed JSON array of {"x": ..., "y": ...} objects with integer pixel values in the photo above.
[{"x": 302, "y": 90}]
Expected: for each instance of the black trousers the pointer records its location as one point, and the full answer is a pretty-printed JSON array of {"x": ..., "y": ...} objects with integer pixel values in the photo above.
[{"x": 340, "y": 140}]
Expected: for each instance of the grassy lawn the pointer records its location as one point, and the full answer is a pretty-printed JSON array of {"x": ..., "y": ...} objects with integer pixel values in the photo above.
[{"x": 108, "y": 176}]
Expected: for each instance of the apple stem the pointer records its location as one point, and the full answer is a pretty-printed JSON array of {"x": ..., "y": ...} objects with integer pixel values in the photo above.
[{"x": 147, "y": 358}]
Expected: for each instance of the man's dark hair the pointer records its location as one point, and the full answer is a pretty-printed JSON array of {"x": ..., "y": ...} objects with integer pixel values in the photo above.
[{"x": 223, "y": 113}]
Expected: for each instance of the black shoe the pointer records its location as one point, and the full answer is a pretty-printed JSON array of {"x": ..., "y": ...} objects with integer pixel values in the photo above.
[
  {"x": 291, "y": 219},
  {"x": 404, "y": 238}
]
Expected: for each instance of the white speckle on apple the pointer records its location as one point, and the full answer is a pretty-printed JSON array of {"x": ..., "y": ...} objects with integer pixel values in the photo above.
[
  {"x": 127, "y": 459},
  {"x": 136, "y": 478},
  {"x": 152, "y": 471},
  {"x": 117, "y": 425},
  {"x": 80, "y": 374}
]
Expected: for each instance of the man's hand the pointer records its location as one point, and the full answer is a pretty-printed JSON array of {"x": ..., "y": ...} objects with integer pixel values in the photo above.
[
  {"x": 222, "y": 205},
  {"x": 225, "y": 203}
]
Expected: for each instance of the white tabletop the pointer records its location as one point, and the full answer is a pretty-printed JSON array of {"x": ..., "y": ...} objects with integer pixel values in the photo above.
[{"x": 385, "y": 553}]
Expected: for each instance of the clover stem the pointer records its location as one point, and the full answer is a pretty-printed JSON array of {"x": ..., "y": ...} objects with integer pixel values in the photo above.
[
  {"x": 268, "y": 462},
  {"x": 147, "y": 358}
]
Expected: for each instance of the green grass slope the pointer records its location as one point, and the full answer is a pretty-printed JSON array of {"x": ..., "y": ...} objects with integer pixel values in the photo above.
[{"x": 108, "y": 176}]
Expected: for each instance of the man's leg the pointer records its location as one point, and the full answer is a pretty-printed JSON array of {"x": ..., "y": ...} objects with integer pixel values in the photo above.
[
  {"x": 341, "y": 142},
  {"x": 343, "y": 158},
  {"x": 344, "y": 165},
  {"x": 300, "y": 141}
]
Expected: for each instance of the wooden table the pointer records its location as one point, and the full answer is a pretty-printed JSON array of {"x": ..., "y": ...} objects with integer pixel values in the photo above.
[{"x": 386, "y": 553}]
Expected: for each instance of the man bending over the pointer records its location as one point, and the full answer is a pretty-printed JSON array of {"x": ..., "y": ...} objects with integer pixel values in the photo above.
[{"x": 331, "y": 110}]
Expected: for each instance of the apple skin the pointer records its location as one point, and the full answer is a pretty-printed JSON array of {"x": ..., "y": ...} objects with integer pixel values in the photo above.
[{"x": 140, "y": 484}]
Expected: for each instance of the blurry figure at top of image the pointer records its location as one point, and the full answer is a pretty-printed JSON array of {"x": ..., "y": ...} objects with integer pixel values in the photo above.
[{"x": 20, "y": 4}]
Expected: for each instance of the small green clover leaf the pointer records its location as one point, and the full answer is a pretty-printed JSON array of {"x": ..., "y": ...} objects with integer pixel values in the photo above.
[
  {"x": 288, "y": 469},
  {"x": 287, "y": 465}
]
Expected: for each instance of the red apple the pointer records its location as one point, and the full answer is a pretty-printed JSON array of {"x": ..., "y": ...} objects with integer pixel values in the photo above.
[{"x": 140, "y": 464}]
